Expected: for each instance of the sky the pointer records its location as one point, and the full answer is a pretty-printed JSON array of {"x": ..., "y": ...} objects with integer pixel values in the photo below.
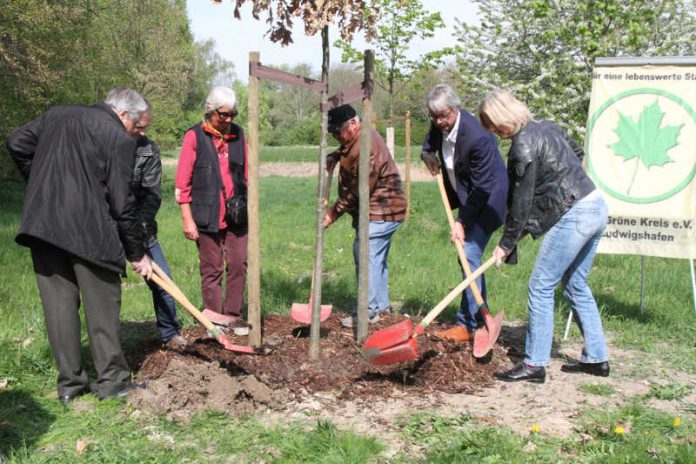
[{"x": 236, "y": 38}]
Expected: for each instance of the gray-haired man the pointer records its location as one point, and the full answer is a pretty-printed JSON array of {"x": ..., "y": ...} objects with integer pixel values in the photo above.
[{"x": 79, "y": 221}]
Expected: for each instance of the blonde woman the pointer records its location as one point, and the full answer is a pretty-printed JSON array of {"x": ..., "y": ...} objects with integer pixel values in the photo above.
[{"x": 549, "y": 195}]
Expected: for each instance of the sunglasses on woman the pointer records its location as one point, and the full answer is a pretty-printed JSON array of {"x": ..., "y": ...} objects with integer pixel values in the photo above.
[{"x": 226, "y": 114}]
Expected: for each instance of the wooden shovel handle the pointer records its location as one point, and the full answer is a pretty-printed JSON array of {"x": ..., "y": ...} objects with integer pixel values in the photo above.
[
  {"x": 455, "y": 292},
  {"x": 459, "y": 246},
  {"x": 162, "y": 279}
]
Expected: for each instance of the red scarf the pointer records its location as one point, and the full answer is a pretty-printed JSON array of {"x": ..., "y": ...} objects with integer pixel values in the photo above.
[{"x": 219, "y": 139}]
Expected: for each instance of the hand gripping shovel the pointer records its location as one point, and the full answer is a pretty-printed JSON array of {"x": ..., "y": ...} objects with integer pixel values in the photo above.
[
  {"x": 303, "y": 312},
  {"x": 397, "y": 343},
  {"x": 162, "y": 279},
  {"x": 486, "y": 336}
]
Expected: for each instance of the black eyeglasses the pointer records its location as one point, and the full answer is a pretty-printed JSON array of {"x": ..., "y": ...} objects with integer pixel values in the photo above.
[
  {"x": 439, "y": 117},
  {"x": 226, "y": 114}
]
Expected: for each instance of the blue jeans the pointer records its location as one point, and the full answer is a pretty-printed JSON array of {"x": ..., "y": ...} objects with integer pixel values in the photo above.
[
  {"x": 380, "y": 234},
  {"x": 165, "y": 308},
  {"x": 475, "y": 242},
  {"x": 566, "y": 255}
]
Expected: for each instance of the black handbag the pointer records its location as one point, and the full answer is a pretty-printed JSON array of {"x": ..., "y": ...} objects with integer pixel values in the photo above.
[
  {"x": 236, "y": 210},
  {"x": 236, "y": 207}
]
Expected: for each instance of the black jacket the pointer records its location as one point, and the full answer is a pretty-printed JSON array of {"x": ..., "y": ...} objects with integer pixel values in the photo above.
[
  {"x": 546, "y": 180},
  {"x": 479, "y": 171},
  {"x": 147, "y": 187},
  {"x": 78, "y": 162}
]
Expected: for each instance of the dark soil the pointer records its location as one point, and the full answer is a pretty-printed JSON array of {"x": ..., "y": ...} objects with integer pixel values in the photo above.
[{"x": 341, "y": 367}]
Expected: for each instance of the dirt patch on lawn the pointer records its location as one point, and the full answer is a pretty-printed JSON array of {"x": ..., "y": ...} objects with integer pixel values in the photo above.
[
  {"x": 343, "y": 387},
  {"x": 285, "y": 169}
]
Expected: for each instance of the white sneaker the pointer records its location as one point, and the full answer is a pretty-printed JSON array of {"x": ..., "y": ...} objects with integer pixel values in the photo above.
[{"x": 351, "y": 321}]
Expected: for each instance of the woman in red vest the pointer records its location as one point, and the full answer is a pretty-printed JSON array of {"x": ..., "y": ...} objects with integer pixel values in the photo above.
[{"x": 212, "y": 170}]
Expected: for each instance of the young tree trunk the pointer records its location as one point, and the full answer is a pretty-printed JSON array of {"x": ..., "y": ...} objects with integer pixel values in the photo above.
[{"x": 315, "y": 329}]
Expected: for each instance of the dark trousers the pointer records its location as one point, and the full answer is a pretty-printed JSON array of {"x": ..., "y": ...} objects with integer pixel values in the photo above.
[
  {"x": 226, "y": 249},
  {"x": 62, "y": 278}
]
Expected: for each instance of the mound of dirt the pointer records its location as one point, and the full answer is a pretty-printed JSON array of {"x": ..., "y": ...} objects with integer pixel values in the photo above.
[
  {"x": 187, "y": 387},
  {"x": 206, "y": 376}
]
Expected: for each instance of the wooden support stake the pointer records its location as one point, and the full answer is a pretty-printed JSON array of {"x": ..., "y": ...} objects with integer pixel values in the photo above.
[
  {"x": 364, "y": 197},
  {"x": 408, "y": 164},
  {"x": 253, "y": 253}
]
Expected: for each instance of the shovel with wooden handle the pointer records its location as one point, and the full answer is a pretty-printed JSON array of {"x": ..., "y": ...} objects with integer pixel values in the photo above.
[
  {"x": 397, "y": 343},
  {"x": 162, "y": 279},
  {"x": 486, "y": 336},
  {"x": 302, "y": 312}
]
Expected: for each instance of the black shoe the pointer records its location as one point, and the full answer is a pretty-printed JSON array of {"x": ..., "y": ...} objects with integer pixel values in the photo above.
[
  {"x": 535, "y": 374},
  {"x": 599, "y": 369},
  {"x": 132, "y": 386},
  {"x": 65, "y": 399}
]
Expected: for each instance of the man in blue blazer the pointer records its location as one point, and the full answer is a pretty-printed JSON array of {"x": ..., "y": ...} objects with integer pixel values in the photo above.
[{"x": 476, "y": 181}]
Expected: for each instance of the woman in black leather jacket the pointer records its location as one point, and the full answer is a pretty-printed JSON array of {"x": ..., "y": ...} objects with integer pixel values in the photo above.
[{"x": 549, "y": 195}]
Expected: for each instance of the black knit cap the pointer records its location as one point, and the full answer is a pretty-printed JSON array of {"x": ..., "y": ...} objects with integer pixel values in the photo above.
[{"x": 340, "y": 115}]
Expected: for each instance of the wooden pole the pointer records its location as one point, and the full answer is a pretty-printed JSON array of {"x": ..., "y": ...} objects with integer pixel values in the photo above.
[
  {"x": 253, "y": 253},
  {"x": 315, "y": 328},
  {"x": 364, "y": 197},
  {"x": 408, "y": 164}
]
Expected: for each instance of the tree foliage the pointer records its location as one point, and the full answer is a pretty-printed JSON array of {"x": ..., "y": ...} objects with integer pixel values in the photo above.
[
  {"x": 545, "y": 50},
  {"x": 401, "y": 22},
  {"x": 73, "y": 52},
  {"x": 348, "y": 15}
]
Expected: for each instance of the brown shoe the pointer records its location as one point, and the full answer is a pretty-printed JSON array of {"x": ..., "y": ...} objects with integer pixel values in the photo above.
[{"x": 457, "y": 334}]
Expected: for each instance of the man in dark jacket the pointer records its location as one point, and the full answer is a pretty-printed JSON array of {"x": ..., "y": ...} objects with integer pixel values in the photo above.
[
  {"x": 147, "y": 187},
  {"x": 476, "y": 182},
  {"x": 387, "y": 202},
  {"x": 79, "y": 221}
]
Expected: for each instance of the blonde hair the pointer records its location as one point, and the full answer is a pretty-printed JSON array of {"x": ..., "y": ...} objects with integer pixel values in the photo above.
[{"x": 501, "y": 108}]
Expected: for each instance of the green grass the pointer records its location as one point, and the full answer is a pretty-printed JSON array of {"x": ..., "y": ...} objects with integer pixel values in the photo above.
[
  {"x": 647, "y": 436},
  {"x": 34, "y": 427},
  {"x": 597, "y": 389},
  {"x": 671, "y": 391}
]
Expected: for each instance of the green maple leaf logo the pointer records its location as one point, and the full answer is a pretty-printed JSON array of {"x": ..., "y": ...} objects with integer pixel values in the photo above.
[{"x": 645, "y": 139}]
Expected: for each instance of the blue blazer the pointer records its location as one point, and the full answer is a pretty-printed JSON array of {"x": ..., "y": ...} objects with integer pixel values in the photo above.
[{"x": 480, "y": 173}]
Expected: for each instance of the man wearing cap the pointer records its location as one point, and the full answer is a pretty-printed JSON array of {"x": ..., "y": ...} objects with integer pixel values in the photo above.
[{"x": 387, "y": 202}]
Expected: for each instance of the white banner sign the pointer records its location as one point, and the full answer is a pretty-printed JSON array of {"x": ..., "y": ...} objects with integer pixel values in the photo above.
[{"x": 641, "y": 152}]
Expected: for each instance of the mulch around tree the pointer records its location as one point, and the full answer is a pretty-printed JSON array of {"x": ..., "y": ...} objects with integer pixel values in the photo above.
[{"x": 441, "y": 367}]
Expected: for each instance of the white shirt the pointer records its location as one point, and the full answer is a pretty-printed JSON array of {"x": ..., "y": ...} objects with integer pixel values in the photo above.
[{"x": 448, "y": 142}]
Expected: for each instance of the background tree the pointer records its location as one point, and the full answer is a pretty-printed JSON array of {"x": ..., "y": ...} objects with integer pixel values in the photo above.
[
  {"x": 545, "y": 51},
  {"x": 37, "y": 59},
  {"x": 401, "y": 22},
  {"x": 73, "y": 52}
]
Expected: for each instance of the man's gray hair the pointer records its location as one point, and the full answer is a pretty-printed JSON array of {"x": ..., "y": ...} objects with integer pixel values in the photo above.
[
  {"x": 442, "y": 98},
  {"x": 123, "y": 99},
  {"x": 219, "y": 97}
]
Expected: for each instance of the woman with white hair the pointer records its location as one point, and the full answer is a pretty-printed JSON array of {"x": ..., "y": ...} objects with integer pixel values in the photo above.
[
  {"x": 211, "y": 181},
  {"x": 549, "y": 195}
]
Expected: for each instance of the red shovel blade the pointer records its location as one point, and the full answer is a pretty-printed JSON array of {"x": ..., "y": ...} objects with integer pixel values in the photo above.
[
  {"x": 390, "y": 336},
  {"x": 486, "y": 336},
  {"x": 394, "y": 344},
  {"x": 224, "y": 341},
  {"x": 405, "y": 351},
  {"x": 302, "y": 312}
]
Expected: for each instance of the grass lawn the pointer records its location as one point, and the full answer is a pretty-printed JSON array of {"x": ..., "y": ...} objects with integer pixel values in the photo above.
[{"x": 35, "y": 427}]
